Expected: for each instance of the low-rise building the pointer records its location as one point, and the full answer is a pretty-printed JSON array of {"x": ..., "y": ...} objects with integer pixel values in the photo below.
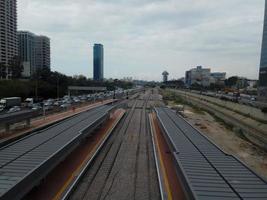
[
  {"x": 242, "y": 82},
  {"x": 252, "y": 84},
  {"x": 217, "y": 78},
  {"x": 198, "y": 75}
]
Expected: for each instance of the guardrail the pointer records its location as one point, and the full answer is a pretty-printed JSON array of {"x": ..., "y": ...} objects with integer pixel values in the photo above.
[{"x": 12, "y": 118}]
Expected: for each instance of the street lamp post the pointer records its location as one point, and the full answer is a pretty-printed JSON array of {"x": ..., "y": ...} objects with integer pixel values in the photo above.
[{"x": 57, "y": 88}]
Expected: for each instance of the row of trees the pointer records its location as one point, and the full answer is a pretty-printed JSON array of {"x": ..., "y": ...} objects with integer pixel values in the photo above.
[
  {"x": 47, "y": 84},
  {"x": 231, "y": 82},
  {"x": 14, "y": 66}
]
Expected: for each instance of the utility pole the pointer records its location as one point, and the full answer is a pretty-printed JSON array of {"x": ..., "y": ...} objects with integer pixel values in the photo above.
[
  {"x": 36, "y": 87},
  {"x": 57, "y": 88}
]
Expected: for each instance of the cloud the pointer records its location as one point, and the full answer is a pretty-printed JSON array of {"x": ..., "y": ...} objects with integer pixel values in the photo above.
[{"x": 144, "y": 37}]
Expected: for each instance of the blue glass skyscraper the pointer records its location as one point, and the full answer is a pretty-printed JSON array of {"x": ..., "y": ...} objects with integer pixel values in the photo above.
[
  {"x": 262, "y": 89},
  {"x": 98, "y": 62}
]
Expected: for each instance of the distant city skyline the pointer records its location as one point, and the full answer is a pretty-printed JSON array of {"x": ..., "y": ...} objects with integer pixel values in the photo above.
[{"x": 144, "y": 38}]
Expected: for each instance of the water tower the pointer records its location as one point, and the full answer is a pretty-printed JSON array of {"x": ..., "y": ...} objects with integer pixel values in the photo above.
[{"x": 165, "y": 75}]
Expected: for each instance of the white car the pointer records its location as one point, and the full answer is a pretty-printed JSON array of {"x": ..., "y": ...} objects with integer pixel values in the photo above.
[
  {"x": 14, "y": 109},
  {"x": 36, "y": 107},
  {"x": 253, "y": 99},
  {"x": 76, "y": 100},
  {"x": 66, "y": 105}
]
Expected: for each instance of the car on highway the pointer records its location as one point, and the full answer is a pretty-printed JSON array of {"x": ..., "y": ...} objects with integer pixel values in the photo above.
[
  {"x": 253, "y": 99},
  {"x": 76, "y": 100},
  {"x": 65, "y": 105},
  {"x": 48, "y": 107},
  {"x": 58, "y": 103},
  {"x": 48, "y": 103},
  {"x": 14, "y": 109},
  {"x": 36, "y": 106}
]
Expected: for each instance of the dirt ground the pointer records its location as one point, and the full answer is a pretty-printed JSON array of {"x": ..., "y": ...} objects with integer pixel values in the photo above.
[{"x": 228, "y": 140}]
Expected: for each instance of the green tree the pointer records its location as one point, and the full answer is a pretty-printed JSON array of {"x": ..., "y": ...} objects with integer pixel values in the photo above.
[
  {"x": 232, "y": 81},
  {"x": 16, "y": 67},
  {"x": 196, "y": 86},
  {"x": 2, "y": 71}
]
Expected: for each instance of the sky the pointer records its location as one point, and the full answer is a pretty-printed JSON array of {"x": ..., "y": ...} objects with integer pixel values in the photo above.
[{"x": 142, "y": 38}]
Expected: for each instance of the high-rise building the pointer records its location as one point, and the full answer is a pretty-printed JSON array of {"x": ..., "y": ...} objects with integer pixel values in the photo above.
[
  {"x": 34, "y": 52},
  {"x": 262, "y": 88},
  {"x": 98, "y": 62},
  {"x": 188, "y": 78},
  {"x": 8, "y": 33},
  {"x": 26, "y": 42},
  {"x": 42, "y": 52}
]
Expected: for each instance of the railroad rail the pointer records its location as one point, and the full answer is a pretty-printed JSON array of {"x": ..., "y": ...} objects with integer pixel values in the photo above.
[
  {"x": 205, "y": 171},
  {"x": 125, "y": 166},
  {"x": 24, "y": 163},
  {"x": 78, "y": 178}
]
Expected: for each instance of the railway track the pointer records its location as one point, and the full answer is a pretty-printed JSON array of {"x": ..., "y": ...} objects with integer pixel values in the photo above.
[
  {"x": 25, "y": 162},
  {"x": 125, "y": 167}
]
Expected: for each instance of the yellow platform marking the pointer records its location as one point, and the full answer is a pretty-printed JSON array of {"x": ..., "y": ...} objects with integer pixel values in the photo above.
[
  {"x": 79, "y": 168},
  {"x": 163, "y": 169}
]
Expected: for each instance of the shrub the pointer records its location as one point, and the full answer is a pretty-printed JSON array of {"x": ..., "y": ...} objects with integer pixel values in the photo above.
[{"x": 264, "y": 110}]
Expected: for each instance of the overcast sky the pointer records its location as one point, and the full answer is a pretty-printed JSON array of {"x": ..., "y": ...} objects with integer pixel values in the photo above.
[{"x": 142, "y": 38}]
